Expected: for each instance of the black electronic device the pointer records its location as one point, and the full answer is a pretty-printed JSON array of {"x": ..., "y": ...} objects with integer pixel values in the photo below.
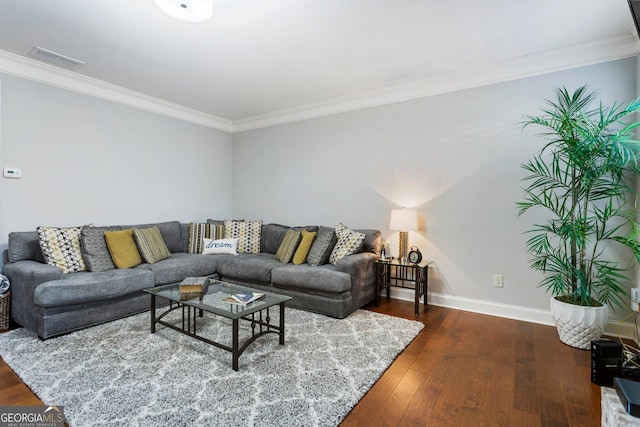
[
  {"x": 629, "y": 394},
  {"x": 606, "y": 362}
]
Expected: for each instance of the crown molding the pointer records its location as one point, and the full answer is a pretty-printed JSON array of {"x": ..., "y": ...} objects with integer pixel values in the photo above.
[
  {"x": 594, "y": 52},
  {"x": 48, "y": 74}
]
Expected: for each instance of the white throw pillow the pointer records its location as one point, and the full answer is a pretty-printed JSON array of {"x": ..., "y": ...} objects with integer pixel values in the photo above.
[{"x": 220, "y": 246}]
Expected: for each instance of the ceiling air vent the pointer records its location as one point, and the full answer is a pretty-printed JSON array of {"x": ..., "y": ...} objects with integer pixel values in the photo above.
[{"x": 55, "y": 58}]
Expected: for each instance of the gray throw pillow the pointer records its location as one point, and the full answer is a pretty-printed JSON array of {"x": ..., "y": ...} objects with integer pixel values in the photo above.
[
  {"x": 322, "y": 246},
  {"x": 94, "y": 249}
]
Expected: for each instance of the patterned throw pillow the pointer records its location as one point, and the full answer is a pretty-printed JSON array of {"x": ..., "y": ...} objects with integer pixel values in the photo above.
[
  {"x": 247, "y": 233},
  {"x": 300, "y": 257},
  {"x": 122, "y": 248},
  {"x": 322, "y": 246},
  {"x": 61, "y": 248},
  {"x": 199, "y": 231},
  {"x": 150, "y": 244},
  {"x": 288, "y": 246},
  {"x": 94, "y": 249},
  {"x": 348, "y": 243}
]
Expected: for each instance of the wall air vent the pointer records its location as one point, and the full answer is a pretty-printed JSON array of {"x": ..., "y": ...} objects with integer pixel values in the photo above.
[{"x": 55, "y": 58}]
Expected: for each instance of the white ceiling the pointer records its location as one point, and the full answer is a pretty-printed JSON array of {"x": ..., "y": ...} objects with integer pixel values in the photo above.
[{"x": 257, "y": 60}]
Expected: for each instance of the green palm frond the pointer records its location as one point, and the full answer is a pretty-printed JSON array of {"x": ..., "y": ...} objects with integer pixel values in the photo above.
[{"x": 581, "y": 180}]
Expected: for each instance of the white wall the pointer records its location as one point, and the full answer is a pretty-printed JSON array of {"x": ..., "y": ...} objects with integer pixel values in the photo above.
[
  {"x": 455, "y": 157},
  {"x": 85, "y": 160}
]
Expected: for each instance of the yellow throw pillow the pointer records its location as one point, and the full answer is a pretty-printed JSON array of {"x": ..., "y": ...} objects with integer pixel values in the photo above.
[
  {"x": 122, "y": 248},
  {"x": 300, "y": 257}
]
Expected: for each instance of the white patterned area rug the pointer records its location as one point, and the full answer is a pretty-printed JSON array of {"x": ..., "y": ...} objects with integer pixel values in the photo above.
[{"x": 119, "y": 373}]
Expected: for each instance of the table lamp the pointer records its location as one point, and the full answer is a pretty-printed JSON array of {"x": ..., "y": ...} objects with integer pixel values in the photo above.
[{"x": 403, "y": 220}]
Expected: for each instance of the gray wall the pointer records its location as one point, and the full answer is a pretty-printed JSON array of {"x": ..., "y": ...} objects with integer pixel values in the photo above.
[
  {"x": 85, "y": 160},
  {"x": 455, "y": 157}
]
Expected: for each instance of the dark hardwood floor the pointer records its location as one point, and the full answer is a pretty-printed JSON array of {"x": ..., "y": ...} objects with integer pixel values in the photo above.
[
  {"x": 463, "y": 369},
  {"x": 467, "y": 369}
]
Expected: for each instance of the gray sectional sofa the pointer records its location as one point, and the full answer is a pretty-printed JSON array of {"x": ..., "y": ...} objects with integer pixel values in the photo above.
[{"x": 49, "y": 302}]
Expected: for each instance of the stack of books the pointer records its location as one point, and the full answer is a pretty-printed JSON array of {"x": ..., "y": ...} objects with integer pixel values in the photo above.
[{"x": 192, "y": 287}]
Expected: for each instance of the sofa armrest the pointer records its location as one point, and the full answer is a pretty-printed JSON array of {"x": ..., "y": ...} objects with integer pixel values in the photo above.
[
  {"x": 356, "y": 264},
  {"x": 24, "y": 277},
  {"x": 360, "y": 268},
  {"x": 29, "y": 273}
]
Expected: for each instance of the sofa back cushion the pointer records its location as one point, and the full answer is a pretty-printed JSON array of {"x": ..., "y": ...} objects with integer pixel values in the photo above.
[
  {"x": 24, "y": 245},
  {"x": 372, "y": 241},
  {"x": 271, "y": 237},
  {"x": 171, "y": 232}
]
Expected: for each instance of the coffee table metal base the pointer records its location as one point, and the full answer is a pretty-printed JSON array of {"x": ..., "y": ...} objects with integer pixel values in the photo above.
[{"x": 260, "y": 325}]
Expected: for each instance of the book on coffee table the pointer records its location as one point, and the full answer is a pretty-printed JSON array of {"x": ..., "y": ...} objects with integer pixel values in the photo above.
[
  {"x": 192, "y": 287},
  {"x": 243, "y": 298}
]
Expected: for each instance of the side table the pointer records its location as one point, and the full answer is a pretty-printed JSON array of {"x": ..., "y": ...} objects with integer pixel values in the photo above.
[{"x": 411, "y": 276}]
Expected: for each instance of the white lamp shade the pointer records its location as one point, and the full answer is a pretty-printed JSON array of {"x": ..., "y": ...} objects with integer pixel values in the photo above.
[
  {"x": 187, "y": 10},
  {"x": 403, "y": 220}
]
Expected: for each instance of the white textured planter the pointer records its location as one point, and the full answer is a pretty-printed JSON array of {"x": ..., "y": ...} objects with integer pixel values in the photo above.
[{"x": 577, "y": 325}]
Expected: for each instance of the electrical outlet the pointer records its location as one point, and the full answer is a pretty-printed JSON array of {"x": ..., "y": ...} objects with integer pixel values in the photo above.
[
  {"x": 635, "y": 299},
  {"x": 498, "y": 281}
]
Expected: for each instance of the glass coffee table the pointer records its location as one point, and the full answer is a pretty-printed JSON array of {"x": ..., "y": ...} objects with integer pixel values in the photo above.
[{"x": 212, "y": 301}]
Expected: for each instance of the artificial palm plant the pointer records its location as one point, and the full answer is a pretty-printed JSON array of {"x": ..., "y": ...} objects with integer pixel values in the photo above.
[{"x": 583, "y": 178}]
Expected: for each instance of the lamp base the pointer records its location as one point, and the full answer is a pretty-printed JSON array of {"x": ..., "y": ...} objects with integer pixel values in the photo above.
[{"x": 403, "y": 250}]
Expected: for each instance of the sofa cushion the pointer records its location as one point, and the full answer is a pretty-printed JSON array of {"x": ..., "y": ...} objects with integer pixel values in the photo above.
[
  {"x": 150, "y": 244},
  {"x": 322, "y": 246},
  {"x": 302, "y": 252},
  {"x": 24, "y": 245},
  {"x": 122, "y": 248},
  {"x": 200, "y": 231},
  {"x": 325, "y": 279},
  {"x": 349, "y": 242},
  {"x": 372, "y": 241},
  {"x": 248, "y": 267},
  {"x": 94, "y": 249},
  {"x": 247, "y": 233},
  {"x": 61, "y": 248},
  {"x": 181, "y": 265},
  {"x": 271, "y": 237},
  {"x": 171, "y": 233},
  {"x": 84, "y": 287},
  {"x": 288, "y": 246}
]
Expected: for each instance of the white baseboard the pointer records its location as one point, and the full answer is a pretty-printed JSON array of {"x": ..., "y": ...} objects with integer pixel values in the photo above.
[{"x": 614, "y": 327}]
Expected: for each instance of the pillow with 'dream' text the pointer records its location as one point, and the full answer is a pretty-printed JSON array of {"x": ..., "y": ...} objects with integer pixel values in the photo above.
[{"x": 220, "y": 246}]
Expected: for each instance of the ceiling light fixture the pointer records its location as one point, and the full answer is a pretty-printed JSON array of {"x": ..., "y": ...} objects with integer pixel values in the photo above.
[{"x": 187, "y": 10}]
